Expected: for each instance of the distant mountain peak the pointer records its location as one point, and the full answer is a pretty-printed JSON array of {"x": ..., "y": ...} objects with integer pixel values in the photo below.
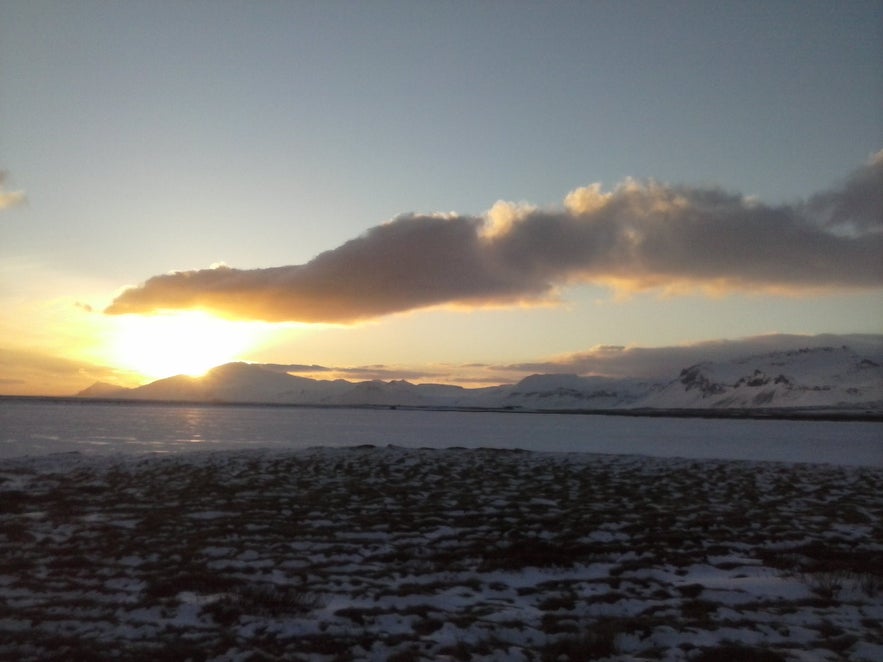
[
  {"x": 827, "y": 377},
  {"x": 102, "y": 390}
]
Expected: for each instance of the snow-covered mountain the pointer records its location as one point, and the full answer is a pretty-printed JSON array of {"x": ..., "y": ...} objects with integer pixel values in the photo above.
[
  {"x": 810, "y": 377},
  {"x": 831, "y": 377},
  {"x": 557, "y": 391},
  {"x": 240, "y": 382}
]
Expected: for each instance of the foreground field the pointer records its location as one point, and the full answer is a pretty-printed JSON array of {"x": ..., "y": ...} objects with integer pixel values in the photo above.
[{"x": 394, "y": 554}]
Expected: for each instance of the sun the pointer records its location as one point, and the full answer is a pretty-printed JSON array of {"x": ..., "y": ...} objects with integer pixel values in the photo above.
[{"x": 187, "y": 343}]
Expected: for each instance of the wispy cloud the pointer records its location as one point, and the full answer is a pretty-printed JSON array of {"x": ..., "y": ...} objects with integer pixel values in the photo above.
[
  {"x": 9, "y": 198},
  {"x": 28, "y": 372},
  {"x": 638, "y": 236},
  {"x": 367, "y": 372}
]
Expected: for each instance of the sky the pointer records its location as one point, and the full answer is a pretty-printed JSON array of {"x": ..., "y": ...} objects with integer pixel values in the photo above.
[{"x": 439, "y": 191}]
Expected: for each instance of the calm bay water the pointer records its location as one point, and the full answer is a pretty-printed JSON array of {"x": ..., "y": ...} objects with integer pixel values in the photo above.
[{"x": 44, "y": 427}]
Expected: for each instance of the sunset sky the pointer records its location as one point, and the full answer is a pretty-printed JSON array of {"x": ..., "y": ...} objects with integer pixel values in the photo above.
[{"x": 438, "y": 191}]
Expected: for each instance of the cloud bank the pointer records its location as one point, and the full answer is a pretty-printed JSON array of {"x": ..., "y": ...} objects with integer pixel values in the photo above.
[
  {"x": 611, "y": 361},
  {"x": 28, "y": 372},
  {"x": 638, "y": 236},
  {"x": 361, "y": 373},
  {"x": 664, "y": 362}
]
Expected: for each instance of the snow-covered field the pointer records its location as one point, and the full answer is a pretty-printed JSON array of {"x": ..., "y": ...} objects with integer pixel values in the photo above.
[
  {"x": 42, "y": 428},
  {"x": 387, "y": 553}
]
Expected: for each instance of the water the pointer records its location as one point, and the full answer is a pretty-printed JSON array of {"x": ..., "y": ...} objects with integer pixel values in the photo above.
[{"x": 44, "y": 427}]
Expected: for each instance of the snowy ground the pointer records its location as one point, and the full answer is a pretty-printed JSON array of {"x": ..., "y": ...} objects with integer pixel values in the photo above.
[{"x": 396, "y": 554}]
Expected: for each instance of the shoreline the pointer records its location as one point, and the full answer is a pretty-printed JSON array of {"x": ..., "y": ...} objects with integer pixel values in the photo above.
[{"x": 833, "y": 414}]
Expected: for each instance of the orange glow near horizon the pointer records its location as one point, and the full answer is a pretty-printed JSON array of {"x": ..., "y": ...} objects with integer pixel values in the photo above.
[{"x": 188, "y": 343}]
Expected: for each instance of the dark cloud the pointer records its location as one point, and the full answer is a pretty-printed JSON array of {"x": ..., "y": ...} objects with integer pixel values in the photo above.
[
  {"x": 639, "y": 236},
  {"x": 857, "y": 206},
  {"x": 663, "y": 362}
]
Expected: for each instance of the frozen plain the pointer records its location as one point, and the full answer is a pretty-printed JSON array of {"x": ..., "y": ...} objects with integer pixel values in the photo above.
[
  {"x": 40, "y": 428},
  {"x": 270, "y": 550}
]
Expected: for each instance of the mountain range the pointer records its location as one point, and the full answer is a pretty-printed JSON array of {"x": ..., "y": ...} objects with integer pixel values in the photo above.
[{"x": 812, "y": 377}]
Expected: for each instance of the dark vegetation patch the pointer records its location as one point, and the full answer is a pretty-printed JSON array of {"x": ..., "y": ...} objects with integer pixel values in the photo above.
[
  {"x": 415, "y": 555},
  {"x": 738, "y": 653}
]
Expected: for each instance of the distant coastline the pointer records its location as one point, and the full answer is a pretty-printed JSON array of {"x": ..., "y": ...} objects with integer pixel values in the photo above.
[{"x": 845, "y": 414}]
